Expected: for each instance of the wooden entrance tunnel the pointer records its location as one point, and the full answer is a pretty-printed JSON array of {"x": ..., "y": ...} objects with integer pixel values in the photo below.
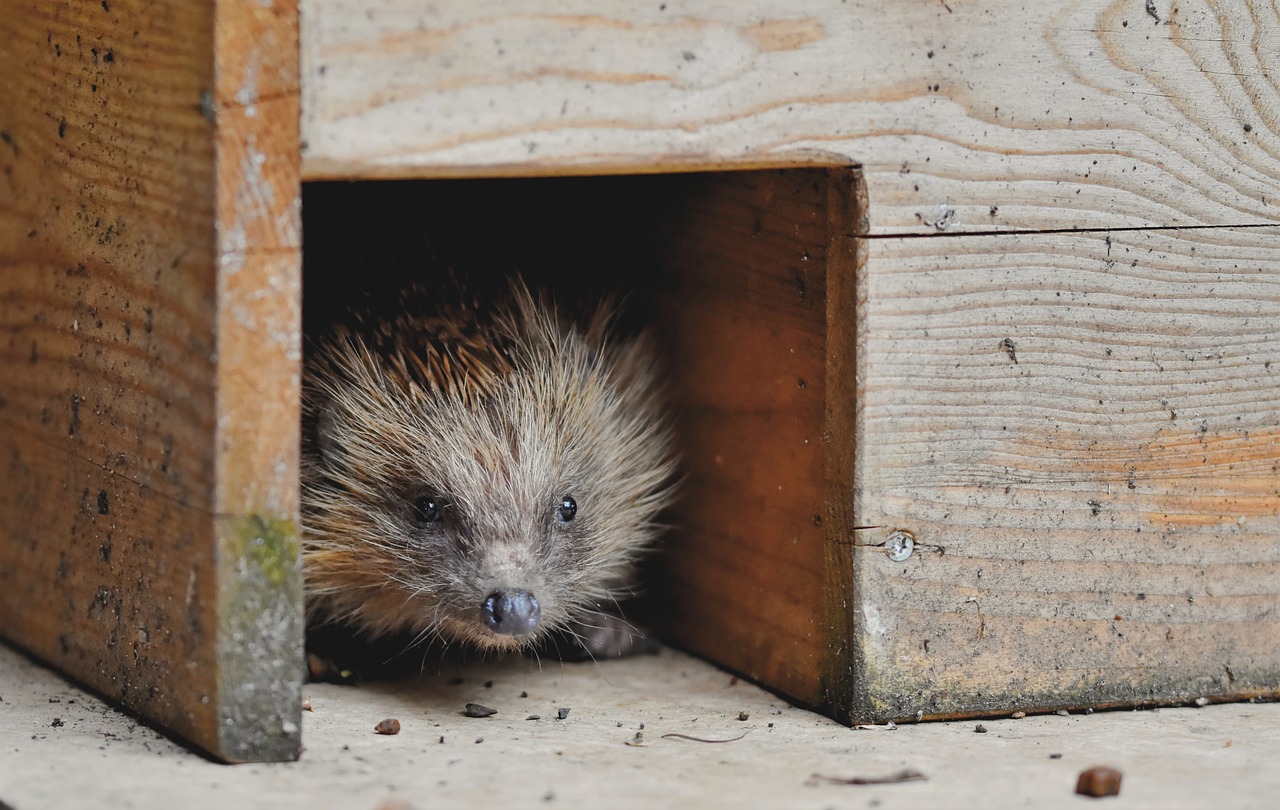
[{"x": 999, "y": 279}]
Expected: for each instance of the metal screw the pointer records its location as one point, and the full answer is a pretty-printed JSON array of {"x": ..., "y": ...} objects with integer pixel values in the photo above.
[{"x": 900, "y": 545}]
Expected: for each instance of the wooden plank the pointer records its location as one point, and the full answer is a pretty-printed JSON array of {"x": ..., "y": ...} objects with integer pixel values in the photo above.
[
  {"x": 149, "y": 359},
  {"x": 965, "y": 116},
  {"x": 1084, "y": 432},
  {"x": 754, "y": 305}
]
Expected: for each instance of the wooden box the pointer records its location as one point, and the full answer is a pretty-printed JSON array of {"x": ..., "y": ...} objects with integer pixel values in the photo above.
[{"x": 974, "y": 312}]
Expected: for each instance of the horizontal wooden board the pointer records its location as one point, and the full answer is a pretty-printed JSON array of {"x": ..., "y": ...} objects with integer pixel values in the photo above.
[
  {"x": 1083, "y": 435},
  {"x": 966, "y": 117}
]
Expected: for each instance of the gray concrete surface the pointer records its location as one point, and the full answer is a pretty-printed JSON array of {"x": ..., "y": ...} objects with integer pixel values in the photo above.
[{"x": 96, "y": 757}]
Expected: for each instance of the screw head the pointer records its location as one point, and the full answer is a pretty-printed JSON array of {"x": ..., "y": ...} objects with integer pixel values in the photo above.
[{"x": 900, "y": 545}]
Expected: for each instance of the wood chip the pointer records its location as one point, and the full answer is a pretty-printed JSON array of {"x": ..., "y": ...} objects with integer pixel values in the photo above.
[{"x": 1099, "y": 781}]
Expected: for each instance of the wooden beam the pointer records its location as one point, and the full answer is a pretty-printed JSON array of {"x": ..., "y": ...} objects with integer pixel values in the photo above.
[
  {"x": 149, "y": 340},
  {"x": 965, "y": 116},
  {"x": 1082, "y": 433}
]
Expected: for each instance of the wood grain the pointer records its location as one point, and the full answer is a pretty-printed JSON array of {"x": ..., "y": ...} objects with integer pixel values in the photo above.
[
  {"x": 754, "y": 289},
  {"x": 149, "y": 360},
  {"x": 1084, "y": 432},
  {"x": 965, "y": 116}
]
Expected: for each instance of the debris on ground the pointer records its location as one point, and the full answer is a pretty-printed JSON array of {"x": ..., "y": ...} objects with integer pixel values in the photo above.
[
  {"x": 1099, "y": 781},
  {"x": 678, "y": 736},
  {"x": 905, "y": 775}
]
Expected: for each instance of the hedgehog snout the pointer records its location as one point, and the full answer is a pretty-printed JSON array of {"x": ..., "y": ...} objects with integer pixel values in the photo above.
[{"x": 511, "y": 613}]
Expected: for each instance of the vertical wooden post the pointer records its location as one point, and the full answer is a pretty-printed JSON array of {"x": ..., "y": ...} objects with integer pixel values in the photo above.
[
  {"x": 763, "y": 367},
  {"x": 149, "y": 358}
]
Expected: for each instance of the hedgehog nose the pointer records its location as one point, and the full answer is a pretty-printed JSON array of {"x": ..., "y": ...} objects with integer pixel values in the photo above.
[{"x": 511, "y": 613}]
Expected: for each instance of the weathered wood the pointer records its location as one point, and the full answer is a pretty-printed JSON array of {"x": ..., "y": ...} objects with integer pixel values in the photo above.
[
  {"x": 149, "y": 359},
  {"x": 754, "y": 287},
  {"x": 149, "y": 321},
  {"x": 1082, "y": 433},
  {"x": 965, "y": 116}
]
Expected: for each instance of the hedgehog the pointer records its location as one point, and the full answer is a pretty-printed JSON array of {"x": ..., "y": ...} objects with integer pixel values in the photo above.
[{"x": 481, "y": 470}]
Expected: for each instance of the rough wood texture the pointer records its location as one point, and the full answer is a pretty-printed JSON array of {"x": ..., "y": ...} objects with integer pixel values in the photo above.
[
  {"x": 149, "y": 359},
  {"x": 1084, "y": 432},
  {"x": 966, "y": 116}
]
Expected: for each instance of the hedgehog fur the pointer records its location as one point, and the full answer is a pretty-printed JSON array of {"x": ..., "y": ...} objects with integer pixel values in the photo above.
[{"x": 461, "y": 452}]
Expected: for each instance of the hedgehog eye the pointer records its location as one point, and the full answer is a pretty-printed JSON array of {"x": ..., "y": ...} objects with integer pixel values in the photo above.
[
  {"x": 568, "y": 509},
  {"x": 426, "y": 509}
]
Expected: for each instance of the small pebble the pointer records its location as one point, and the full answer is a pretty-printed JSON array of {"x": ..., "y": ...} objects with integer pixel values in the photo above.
[
  {"x": 1018, "y": 715},
  {"x": 1055, "y": 756},
  {"x": 1089, "y": 710},
  {"x": 562, "y": 714},
  {"x": 743, "y": 716},
  {"x": 534, "y": 717},
  {"x": 980, "y": 729},
  {"x": 1099, "y": 781},
  {"x": 477, "y": 710},
  {"x": 1062, "y": 713},
  {"x": 388, "y": 726},
  {"x": 1202, "y": 702}
]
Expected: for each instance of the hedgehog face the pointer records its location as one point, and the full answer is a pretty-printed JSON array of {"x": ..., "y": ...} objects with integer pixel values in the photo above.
[
  {"x": 500, "y": 513},
  {"x": 486, "y": 519}
]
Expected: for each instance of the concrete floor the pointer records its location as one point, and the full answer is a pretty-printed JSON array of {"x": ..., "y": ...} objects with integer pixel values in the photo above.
[{"x": 1218, "y": 756}]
